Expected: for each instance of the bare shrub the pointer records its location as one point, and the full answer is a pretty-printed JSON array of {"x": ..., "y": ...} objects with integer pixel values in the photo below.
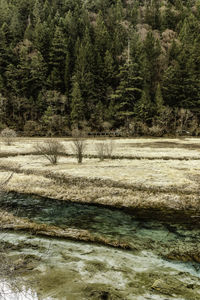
[
  {"x": 101, "y": 150},
  {"x": 110, "y": 146},
  {"x": 78, "y": 144},
  {"x": 104, "y": 149},
  {"x": 8, "y": 135},
  {"x": 50, "y": 149}
]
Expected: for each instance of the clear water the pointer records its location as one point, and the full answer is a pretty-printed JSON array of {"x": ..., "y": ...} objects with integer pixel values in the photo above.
[
  {"x": 92, "y": 263},
  {"x": 105, "y": 222}
]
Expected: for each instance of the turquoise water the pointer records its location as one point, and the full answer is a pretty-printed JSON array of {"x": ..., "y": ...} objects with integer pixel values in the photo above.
[
  {"x": 90, "y": 264},
  {"x": 102, "y": 221}
]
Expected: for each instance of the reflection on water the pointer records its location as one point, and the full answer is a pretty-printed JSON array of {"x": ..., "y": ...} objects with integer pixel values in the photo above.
[{"x": 9, "y": 292}]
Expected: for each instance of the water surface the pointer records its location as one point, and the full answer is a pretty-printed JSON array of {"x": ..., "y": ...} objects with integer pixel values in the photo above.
[{"x": 88, "y": 271}]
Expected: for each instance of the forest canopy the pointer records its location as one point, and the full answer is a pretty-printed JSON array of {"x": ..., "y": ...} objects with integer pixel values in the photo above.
[{"x": 100, "y": 65}]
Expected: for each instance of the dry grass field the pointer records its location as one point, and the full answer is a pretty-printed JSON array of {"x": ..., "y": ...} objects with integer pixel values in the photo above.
[{"x": 151, "y": 172}]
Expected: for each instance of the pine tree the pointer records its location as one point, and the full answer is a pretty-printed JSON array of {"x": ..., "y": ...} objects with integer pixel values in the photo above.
[
  {"x": 16, "y": 27},
  {"x": 42, "y": 39},
  {"x": 150, "y": 62},
  {"x": 28, "y": 34},
  {"x": 102, "y": 38},
  {"x": 152, "y": 14},
  {"x": 143, "y": 108},
  {"x": 31, "y": 70},
  {"x": 109, "y": 69},
  {"x": 57, "y": 60},
  {"x": 68, "y": 72},
  {"x": 128, "y": 91},
  {"x": 85, "y": 73},
  {"x": 77, "y": 105},
  {"x": 37, "y": 12},
  {"x": 159, "y": 103},
  {"x": 5, "y": 52}
]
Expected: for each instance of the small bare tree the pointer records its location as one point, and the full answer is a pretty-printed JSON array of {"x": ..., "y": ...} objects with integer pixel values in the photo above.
[
  {"x": 110, "y": 146},
  {"x": 8, "y": 135},
  {"x": 78, "y": 144},
  {"x": 50, "y": 149},
  {"x": 105, "y": 149},
  {"x": 101, "y": 150}
]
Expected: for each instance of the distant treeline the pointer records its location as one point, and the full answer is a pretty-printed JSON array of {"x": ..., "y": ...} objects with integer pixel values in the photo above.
[{"x": 100, "y": 65}]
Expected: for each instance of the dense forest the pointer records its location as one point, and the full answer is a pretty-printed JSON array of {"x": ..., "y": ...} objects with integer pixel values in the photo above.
[{"x": 99, "y": 65}]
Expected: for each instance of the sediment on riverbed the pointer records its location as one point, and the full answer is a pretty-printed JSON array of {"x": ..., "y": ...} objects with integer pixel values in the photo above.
[{"x": 177, "y": 250}]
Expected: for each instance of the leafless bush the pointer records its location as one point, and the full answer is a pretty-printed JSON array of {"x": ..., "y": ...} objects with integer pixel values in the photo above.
[
  {"x": 101, "y": 150},
  {"x": 104, "y": 149},
  {"x": 8, "y": 135},
  {"x": 50, "y": 149},
  {"x": 110, "y": 146},
  {"x": 78, "y": 145}
]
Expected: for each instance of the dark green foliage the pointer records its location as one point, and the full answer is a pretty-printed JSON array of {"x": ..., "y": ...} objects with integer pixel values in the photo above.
[
  {"x": 128, "y": 91},
  {"x": 77, "y": 105},
  {"x": 66, "y": 64}
]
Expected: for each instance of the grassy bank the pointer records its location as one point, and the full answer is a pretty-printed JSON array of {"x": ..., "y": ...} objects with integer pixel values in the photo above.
[{"x": 169, "y": 187}]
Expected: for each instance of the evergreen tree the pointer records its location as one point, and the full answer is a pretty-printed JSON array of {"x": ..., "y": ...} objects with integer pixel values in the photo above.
[
  {"x": 102, "y": 38},
  {"x": 128, "y": 91},
  {"x": 85, "y": 73},
  {"x": 77, "y": 105},
  {"x": 144, "y": 109},
  {"x": 57, "y": 60},
  {"x": 5, "y": 53},
  {"x": 37, "y": 12},
  {"x": 124, "y": 60},
  {"x": 31, "y": 70},
  {"x": 159, "y": 103},
  {"x": 151, "y": 62}
]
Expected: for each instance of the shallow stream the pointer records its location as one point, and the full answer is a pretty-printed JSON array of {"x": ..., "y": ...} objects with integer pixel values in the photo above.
[{"x": 158, "y": 266}]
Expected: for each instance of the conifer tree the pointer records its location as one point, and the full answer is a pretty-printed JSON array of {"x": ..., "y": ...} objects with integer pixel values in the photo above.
[
  {"x": 143, "y": 108},
  {"x": 128, "y": 91},
  {"x": 77, "y": 105},
  {"x": 102, "y": 38},
  {"x": 42, "y": 38},
  {"x": 159, "y": 103},
  {"x": 37, "y": 12},
  {"x": 28, "y": 34},
  {"x": 151, "y": 62},
  {"x": 85, "y": 73},
  {"x": 5, "y": 52},
  {"x": 121, "y": 57},
  {"x": 57, "y": 60}
]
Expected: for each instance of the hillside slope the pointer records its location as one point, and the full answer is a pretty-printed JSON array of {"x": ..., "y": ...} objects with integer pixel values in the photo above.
[{"x": 100, "y": 65}]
